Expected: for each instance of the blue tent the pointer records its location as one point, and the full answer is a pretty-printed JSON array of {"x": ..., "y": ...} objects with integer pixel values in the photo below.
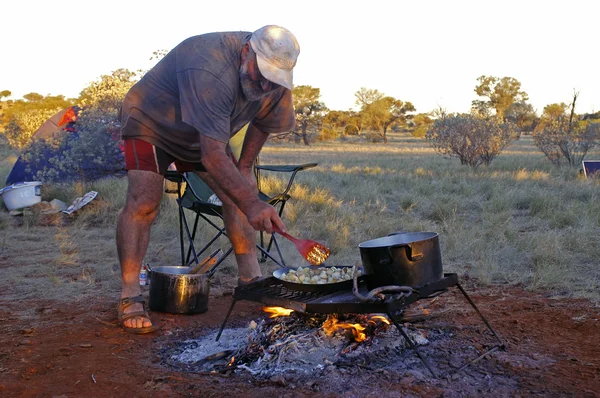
[{"x": 57, "y": 126}]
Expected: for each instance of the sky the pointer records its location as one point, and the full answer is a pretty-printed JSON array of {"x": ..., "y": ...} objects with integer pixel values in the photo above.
[{"x": 428, "y": 52}]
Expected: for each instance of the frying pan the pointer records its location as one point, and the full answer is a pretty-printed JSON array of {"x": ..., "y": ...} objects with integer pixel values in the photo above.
[{"x": 324, "y": 288}]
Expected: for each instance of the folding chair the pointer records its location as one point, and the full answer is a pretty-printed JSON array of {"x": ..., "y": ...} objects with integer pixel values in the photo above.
[
  {"x": 591, "y": 168},
  {"x": 198, "y": 198}
]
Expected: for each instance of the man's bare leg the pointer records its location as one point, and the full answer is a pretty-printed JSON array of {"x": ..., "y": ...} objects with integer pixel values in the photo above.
[
  {"x": 240, "y": 232},
  {"x": 144, "y": 193}
]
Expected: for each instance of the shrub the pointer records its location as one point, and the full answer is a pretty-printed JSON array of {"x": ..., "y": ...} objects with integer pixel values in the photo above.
[
  {"x": 475, "y": 141},
  {"x": 22, "y": 125},
  {"x": 562, "y": 141}
]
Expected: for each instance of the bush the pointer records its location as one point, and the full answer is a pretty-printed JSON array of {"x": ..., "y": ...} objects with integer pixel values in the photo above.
[
  {"x": 22, "y": 125},
  {"x": 475, "y": 141},
  {"x": 561, "y": 141},
  {"x": 328, "y": 134}
]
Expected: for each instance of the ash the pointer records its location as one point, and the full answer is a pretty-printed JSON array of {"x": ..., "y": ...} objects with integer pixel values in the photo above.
[{"x": 299, "y": 344}]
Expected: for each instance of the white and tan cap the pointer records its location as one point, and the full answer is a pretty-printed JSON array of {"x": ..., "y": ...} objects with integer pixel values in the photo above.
[{"x": 276, "y": 51}]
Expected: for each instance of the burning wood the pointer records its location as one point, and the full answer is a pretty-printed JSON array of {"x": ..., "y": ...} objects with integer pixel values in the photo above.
[{"x": 303, "y": 342}]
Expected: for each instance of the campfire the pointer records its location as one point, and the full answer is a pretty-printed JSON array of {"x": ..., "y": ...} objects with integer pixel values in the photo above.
[
  {"x": 310, "y": 331},
  {"x": 287, "y": 340}
]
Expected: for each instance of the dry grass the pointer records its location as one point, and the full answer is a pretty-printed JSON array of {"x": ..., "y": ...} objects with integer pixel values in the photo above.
[{"x": 519, "y": 221}]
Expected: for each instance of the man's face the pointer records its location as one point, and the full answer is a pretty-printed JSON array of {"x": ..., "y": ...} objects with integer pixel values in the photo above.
[{"x": 254, "y": 85}]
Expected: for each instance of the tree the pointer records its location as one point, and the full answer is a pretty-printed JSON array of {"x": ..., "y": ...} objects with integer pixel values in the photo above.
[
  {"x": 108, "y": 92},
  {"x": 565, "y": 136},
  {"x": 309, "y": 110},
  {"x": 385, "y": 112},
  {"x": 421, "y": 123},
  {"x": 475, "y": 141},
  {"x": 500, "y": 94},
  {"x": 522, "y": 115},
  {"x": 367, "y": 96}
]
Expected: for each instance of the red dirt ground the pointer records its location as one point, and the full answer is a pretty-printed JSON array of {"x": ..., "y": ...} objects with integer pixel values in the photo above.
[{"x": 52, "y": 350}]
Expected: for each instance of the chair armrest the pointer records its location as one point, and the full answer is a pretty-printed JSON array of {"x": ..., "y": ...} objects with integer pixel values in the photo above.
[
  {"x": 174, "y": 176},
  {"x": 284, "y": 168}
]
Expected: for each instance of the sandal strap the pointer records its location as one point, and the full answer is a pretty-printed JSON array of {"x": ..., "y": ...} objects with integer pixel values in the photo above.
[
  {"x": 135, "y": 314},
  {"x": 129, "y": 301}
]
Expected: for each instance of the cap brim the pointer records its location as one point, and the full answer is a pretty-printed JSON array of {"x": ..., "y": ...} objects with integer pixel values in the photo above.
[{"x": 280, "y": 76}]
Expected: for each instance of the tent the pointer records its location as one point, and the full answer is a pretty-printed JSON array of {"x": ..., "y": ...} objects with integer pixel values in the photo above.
[{"x": 57, "y": 126}]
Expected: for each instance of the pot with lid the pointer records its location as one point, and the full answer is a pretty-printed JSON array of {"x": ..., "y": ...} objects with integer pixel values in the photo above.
[{"x": 402, "y": 259}]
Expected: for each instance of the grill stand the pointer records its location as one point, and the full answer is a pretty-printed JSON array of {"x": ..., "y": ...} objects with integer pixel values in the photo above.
[{"x": 270, "y": 291}]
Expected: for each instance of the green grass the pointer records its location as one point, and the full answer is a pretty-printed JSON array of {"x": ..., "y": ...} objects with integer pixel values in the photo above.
[{"x": 519, "y": 221}]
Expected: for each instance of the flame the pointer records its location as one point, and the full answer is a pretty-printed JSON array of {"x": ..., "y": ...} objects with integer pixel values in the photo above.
[
  {"x": 426, "y": 311},
  {"x": 278, "y": 311},
  {"x": 379, "y": 318},
  {"x": 231, "y": 362},
  {"x": 331, "y": 325}
]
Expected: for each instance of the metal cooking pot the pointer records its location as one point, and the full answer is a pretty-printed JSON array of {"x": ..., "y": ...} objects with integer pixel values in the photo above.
[
  {"x": 402, "y": 259},
  {"x": 174, "y": 290}
]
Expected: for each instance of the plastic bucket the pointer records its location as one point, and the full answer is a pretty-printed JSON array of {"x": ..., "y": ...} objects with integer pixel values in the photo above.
[{"x": 21, "y": 194}]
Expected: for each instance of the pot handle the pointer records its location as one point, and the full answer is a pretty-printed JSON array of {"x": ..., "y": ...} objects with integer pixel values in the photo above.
[{"x": 414, "y": 252}]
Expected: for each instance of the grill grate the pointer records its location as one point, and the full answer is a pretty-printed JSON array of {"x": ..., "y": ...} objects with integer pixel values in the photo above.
[{"x": 270, "y": 291}]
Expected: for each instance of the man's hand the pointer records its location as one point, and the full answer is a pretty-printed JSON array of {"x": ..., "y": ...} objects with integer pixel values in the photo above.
[{"x": 263, "y": 216}]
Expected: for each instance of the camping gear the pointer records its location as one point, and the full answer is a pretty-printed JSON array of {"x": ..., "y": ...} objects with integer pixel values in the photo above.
[
  {"x": 402, "y": 259},
  {"x": 174, "y": 290},
  {"x": 21, "y": 195},
  {"x": 36, "y": 158},
  {"x": 314, "y": 252},
  {"x": 198, "y": 198},
  {"x": 319, "y": 288},
  {"x": 591, "y": 168}
]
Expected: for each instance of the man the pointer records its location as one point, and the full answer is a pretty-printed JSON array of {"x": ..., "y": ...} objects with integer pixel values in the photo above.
[{"x": 184, "y": 110}]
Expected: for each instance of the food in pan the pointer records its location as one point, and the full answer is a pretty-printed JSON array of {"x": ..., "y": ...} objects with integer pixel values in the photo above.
[{"x": 319, "y": 276}]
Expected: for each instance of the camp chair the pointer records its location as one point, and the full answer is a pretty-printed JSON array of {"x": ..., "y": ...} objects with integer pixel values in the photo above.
[
  {"x": 591, "y": 168},
  {"x": 198, "y": 198}
]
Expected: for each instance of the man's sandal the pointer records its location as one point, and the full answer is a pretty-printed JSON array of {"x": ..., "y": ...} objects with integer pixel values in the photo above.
[{"x": 125, "y": 303}]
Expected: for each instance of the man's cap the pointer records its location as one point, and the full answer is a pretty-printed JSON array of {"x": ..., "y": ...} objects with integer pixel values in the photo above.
[{"x": 276, "y": 51}]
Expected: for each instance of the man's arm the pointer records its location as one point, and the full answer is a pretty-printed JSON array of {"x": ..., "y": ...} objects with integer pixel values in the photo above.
[{"x": 218, "y": 164}]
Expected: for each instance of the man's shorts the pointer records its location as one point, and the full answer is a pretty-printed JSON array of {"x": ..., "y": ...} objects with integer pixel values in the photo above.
[{"x": 141, "y": 155}]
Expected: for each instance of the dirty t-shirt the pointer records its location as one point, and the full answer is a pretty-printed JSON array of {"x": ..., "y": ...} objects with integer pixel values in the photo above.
[{"x": 195, "y": 89}]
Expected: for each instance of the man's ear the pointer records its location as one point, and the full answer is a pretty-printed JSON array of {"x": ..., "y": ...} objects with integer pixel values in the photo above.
[{"x": 245, "y": 51}]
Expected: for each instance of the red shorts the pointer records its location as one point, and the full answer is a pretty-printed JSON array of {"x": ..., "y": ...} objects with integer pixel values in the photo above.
[{"x": 141, "y": 155}]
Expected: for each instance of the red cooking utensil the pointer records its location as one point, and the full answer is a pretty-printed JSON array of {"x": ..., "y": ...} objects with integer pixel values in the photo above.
[{"x": 314, "y": 252}]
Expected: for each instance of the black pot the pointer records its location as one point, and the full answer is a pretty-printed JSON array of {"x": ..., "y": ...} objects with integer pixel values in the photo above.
[{"x": 402, "y": 259}]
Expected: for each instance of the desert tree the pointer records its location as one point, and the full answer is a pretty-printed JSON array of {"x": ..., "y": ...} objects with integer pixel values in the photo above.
[
  {"x": 367, "y": 96},
  {"x": 385, "y": 112},
  {"x": 565, "y": 137},
  {"x": 522, "y": 115},
  {"x": 475, "y": 141},
  {"x": 309, "y": 110},
  {"x": 421, "y": 123},
  {"x": 500, "y": 94}
]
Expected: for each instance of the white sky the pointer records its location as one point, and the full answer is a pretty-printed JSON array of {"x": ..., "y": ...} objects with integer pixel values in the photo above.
[{"x": 428, "y": 52}]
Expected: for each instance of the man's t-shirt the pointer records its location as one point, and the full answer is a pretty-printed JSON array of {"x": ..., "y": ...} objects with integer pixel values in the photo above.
[{"x": 195, "y": 89}]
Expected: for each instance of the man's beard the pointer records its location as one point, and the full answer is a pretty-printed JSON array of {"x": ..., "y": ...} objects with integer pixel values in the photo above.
[{"x": 251, "y": 89}]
